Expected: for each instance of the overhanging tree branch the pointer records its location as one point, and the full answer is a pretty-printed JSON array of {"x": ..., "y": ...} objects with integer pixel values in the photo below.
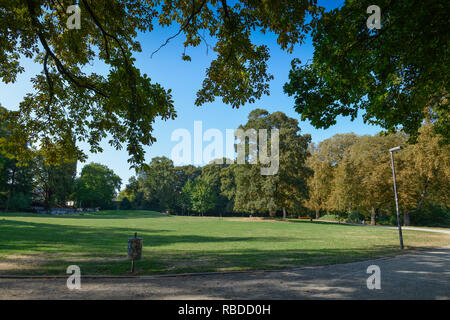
[
  {"x": 194, "y": 13},
  {"x": 72, "y": 78}
]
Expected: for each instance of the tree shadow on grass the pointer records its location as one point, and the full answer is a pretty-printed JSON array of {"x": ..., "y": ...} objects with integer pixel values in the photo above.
[
  {"x": 104, "y": 214},
  {"x": 416, "y": 276},
  {"x": 325, "y": 223},
  {"x": 103, "y": 250},
  {"x": 24, "y": 236},
  {"x": 163, "y": 262}
]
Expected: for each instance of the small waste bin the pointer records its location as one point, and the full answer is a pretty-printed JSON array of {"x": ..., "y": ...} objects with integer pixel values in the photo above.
[{"x": 135, "y": 248}]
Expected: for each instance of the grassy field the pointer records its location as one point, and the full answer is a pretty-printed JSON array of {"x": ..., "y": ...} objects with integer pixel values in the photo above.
[{"x": 31, "y": 244}]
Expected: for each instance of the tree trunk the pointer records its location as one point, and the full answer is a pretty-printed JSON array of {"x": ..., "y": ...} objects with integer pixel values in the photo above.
[
  {"x": 272, "y": 213},
  {"x": 7, "y": 201},
  {"x": 284, "y": 213},
  {"x": 405, "y": 217},
  {"x": 317, "y": 214},
  {"x": 422, "y": 196},
  {"x": 372, "y": 216}
]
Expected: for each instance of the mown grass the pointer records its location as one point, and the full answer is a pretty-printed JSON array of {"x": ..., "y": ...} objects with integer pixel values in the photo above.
[{"x": 97, "y": 242}]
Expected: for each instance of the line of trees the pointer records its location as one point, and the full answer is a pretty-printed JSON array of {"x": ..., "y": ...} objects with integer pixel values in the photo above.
[
  {"x": 346, "y": 175},
  {"x": 40, "y": 183},
  {"x": 389, "y": 75},
  {"x": 227, "y": 188},
  {"x": 353, "y": 177}
]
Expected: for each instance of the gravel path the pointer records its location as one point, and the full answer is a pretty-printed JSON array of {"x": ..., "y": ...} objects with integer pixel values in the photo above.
[
  {"x": 417, "y": 275},
  {"x": 422, "y": 229},
  {"x": 441, "y": 230}
]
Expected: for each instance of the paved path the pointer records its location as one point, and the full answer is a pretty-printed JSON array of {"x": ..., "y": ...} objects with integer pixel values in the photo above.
[
  {"x": 420, "y": 229},
  {"x": 391, "y": 227},
  {"x": 418, "y": 275}
]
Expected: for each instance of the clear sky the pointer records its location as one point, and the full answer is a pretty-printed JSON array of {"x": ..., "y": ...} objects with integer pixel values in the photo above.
[{"x": 185, "y": 78}]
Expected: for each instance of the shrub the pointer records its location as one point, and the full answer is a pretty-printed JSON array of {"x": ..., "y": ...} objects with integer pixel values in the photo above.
[
  {"x": 388, "y": 220},
  {"x": 125, "y": 204},
  {"x": 332, "y": 217},
  {"x": 19, "y": 201},
  {"x": 431, "y": 216},
  {"x": 354, "y": 217}
]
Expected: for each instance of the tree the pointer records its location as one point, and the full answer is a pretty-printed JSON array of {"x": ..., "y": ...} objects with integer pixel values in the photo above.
[
  {"x": 368, "y": 177},
  {"x": 185, "y": 197},
  {"x": 53, "y": 184},
  {"x": 16, "y": 177},
  {"x": 157, "y": 183},
  {"x": 253, "y": 193},
  {"x": 345, "y": 195},
  {"x": 123, "y": 103},
  {"x": 319, "y": 185},
  {"x": 352, "y": 174},
  {"x": 211, "y": 174},
  {"x": 423, "y": 173},
  {"x": 184, "y": 174},
  {"x": 125, "y": 204},
  {"x": 326, "y": 162},
  {"x": 16, "y": 184},
  {"x": 133, "y": 194},
  {"x": 287, "y": 188},
  {"x": 202, "y": 197},
  {"x": 396, "y": 75},
  {"x": 97, "y": 186},
  {"x": 228, "y": 186}
]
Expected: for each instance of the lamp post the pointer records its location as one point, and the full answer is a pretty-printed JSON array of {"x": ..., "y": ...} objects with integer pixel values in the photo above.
[
  {"x": 339, "y": 210},
  {"x": 391, "y": 151}
]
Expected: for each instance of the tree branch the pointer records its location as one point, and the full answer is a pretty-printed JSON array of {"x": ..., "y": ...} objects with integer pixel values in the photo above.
[
  {"x": 102, "y": 30},
  {"x": 49, "y": 80},
  {"x": 36, "y": 24},
  {"x": 225, "y": 9},
  {"x": 194, "y": 13},
  {"x": 124, "y": 53}
]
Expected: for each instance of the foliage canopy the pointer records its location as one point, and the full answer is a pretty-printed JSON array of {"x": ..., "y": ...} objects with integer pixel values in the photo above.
[
  {"x": 397, "y": 75},
  {"x": 70, "y": 101}
]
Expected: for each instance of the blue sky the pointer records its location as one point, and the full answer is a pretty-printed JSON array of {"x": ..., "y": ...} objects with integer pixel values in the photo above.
[{"x": 185, "y": 78}]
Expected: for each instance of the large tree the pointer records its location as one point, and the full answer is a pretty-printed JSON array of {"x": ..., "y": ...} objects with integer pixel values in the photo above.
[
  {"x": 202, "y": 196},
  {"x": 184, "y": 199},
  {"x": 122, "y": 104},
  {"x": 185, "y": 173},
  {"x": 97, "y": 186},
  {"x": 16, "y": 177},
  {"x": 365, "y": 179},
  {"x": 211, "y": 175},
  {"x": 326, "y": 162},
  {"x": 423, "y": 174},
  {"x": 286, "y": 188},
  {"x": 157, "y": 182},
  {"x": 319, "y": 186},
  {"x": 353, "y": 174},
  {"x": 395, "y": 76},
  {"x": 53, "y": 184}
]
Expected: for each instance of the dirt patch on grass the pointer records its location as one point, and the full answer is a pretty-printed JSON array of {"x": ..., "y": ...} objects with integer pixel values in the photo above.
[
  {"x": 246, "y": 219},
  {"x": 37, "y": 261},
  {"x": 19, "y": 262}
]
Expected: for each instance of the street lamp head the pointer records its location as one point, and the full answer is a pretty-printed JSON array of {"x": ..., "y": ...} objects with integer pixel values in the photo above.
[{"x": 395, "y": 149}]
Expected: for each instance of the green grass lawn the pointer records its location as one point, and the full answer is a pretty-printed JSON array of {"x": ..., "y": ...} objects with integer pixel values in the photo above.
[{"x": 97, "y": 242}]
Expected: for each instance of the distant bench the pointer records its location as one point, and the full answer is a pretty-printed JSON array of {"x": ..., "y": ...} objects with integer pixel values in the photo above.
[{"x": 309, "y": 218}]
